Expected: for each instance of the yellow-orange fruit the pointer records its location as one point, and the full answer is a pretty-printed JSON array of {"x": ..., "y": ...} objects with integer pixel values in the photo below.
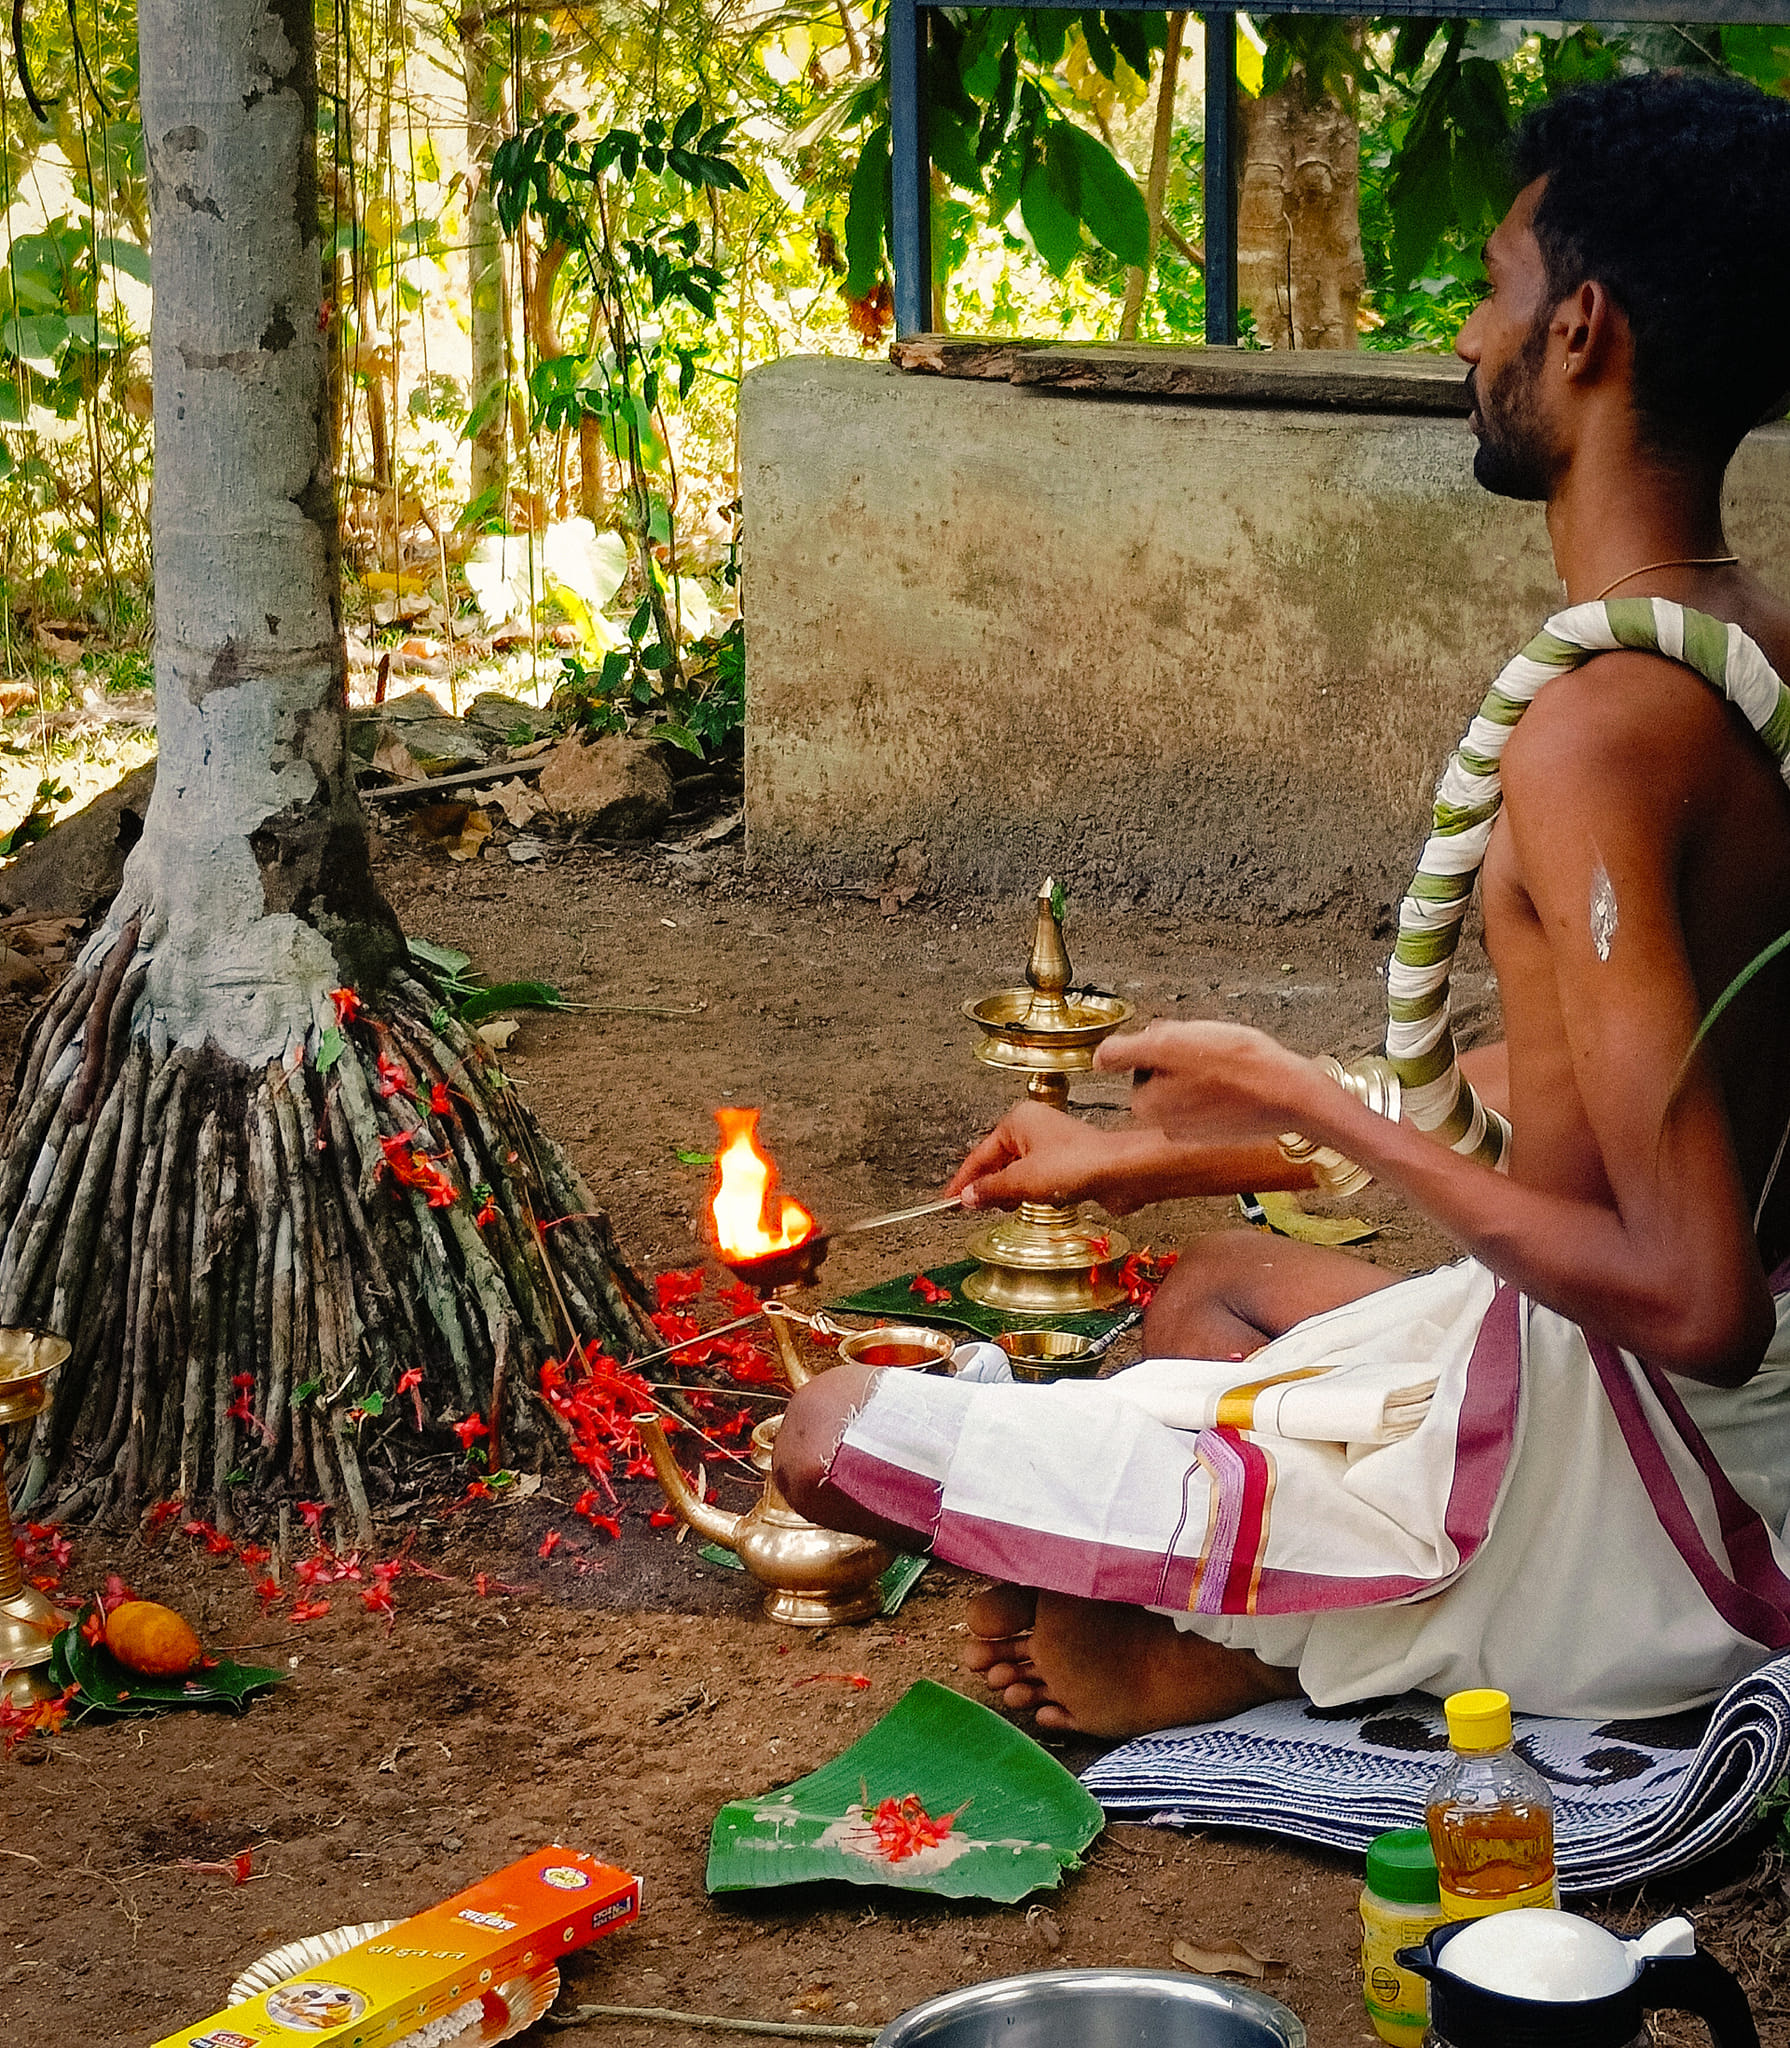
[{"x": 152, "y": 1640}]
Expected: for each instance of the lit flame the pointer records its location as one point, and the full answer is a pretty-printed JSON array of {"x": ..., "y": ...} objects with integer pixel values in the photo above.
[{"x": 751, "y": 1214}]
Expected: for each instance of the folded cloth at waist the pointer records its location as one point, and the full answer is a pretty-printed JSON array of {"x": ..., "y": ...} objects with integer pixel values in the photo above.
[
  {"x": 1369, "y": 1401},
  {"x": 1561, "y": 1522}
]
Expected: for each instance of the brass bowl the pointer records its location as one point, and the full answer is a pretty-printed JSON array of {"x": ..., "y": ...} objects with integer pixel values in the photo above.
[
  {"x": 1036, "y": 1032},
  {"x": 1043, "y": 1355},
  {"x": 901, "y": 1347},
  {"x": 27, "y": 1359}
]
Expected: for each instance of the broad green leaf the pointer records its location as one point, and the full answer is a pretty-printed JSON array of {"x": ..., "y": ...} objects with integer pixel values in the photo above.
[
  {"x": 330, "y": 1048},
  {"x": 509, "y": 995},
  {"x": 1047, "y": 29},
  {"x": 1111, "y": 205},
  {"x": 1055, "y": 231},
  {"x": 954, "y": 149},
  {"x": 1761, "y": 54},
  {"x": 446, "y": 959},
  {"x": 37, "y": 338},
  {"x": 1134, "y": 36},
  {"x": 125, "y": 256},
  {"x": 108, "y": 1687},
  {"x": 1019, "y": 1819},
  {"x": 866, "y": 216}
]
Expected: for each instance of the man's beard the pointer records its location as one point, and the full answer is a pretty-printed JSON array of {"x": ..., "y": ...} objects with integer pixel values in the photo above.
[{"x": 1514, "y": 458}]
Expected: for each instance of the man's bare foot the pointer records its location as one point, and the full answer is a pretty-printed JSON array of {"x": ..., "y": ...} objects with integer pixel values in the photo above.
[{"x": 1099, "y": 1668}]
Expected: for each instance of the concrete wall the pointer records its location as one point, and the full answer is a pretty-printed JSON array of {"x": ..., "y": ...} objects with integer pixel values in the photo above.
[{"x": 1182, "y": 654}]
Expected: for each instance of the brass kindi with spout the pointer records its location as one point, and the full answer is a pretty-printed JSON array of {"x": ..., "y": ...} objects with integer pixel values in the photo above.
[{"x": 812, "y": 1576}]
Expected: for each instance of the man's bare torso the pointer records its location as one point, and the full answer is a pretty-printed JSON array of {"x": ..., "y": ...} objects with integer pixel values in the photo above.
[{"x": 1732, "y": 812}]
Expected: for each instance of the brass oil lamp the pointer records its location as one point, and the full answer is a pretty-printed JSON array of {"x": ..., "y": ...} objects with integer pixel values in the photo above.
[
  {"x": 813, "y": 1577},
  {"x": 1045, "y": 1259},
  {"x": 28, "y": 1620}
]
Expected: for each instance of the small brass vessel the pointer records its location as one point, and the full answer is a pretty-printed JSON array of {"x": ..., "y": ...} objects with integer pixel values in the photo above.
[
  {"x": 813, "y": 1577},
  {"x": 1044, "y": 1355},
  {"x": 901, "y": 1347},
  {"x": 28, "y": 1620},
  {"x": 1044, "y": 1259}
]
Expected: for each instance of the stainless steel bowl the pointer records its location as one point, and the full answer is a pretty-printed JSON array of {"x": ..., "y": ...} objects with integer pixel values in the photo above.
[{"x": 1098, "y": 2009}]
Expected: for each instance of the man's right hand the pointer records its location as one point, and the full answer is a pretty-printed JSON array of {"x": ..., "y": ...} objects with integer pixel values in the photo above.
[
  {"x": 1039, "y": 1154},
  {"x": 1036, "y": 1154}
]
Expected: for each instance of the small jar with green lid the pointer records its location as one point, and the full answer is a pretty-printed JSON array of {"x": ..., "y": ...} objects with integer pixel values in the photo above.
[{"x": 1400, "y": 1903}]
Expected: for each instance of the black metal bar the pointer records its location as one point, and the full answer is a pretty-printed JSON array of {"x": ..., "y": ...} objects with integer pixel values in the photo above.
[
  {"x": 1221, "y": 180},
  {"x": 910, "y": 168},
  {"x": 1709, "y": 12}
]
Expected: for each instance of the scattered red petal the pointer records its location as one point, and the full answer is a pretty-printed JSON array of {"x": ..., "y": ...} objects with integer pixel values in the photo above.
[
  {"x": 309, "y": 1610},
  {"x": 378, "y": 1600},
  {"x": 269, "y": 1592},
  {"x": 409, "y": 1379},
  {"x": 159, "y": 1517},
  {"x": 1143, "y": 1272},
  {"x": 469, "y": 1427},
  {"x": 928, "y": 1290},
  {"x": 664, "y": 1518},
  {"x": 481, "y": 1583},
  {"x": 608, "y": 1524},
  {"x": 254, "y": 1555},
  {"x": 855, "y": 1679},
  {"x": 93, "y": 1627},
  {"x": 550, "y": 1543},
  {"x": 738, "y": 1299},
  {"x": 674, "y": 1289},
  {"x": 487, "y": 1211},
  {"x": 116, "y": 1593},
  {"x": 441, "y": 1103},
  {"x": 311, "y": 1513},
  {"x": 238, "y": 1868},
  {"x": 347, "y": 1006}
]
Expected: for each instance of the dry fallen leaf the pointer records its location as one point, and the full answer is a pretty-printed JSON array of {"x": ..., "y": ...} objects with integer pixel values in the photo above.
[
  {"x": 516, "y": 800},
  {"x": 26, "y": 931},
  {"x": 530, "y": 749},
  {"x": 395, "y": 758},
  {"x": 498, "y": 1033},
  {"x": 12, "y": 695},
  {"x": 1224, "y": 1959},
  {"x": 67, "y": 652},
  {"x": 460, "y": 830},
  {"x": 1041, "y": 1925}
]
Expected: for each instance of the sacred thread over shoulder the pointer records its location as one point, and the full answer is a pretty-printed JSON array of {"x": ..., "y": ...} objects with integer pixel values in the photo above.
[{"x": 1419, "y": 1029}]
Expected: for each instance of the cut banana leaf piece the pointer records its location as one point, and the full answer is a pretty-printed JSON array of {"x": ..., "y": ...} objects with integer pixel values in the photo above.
[
  {"x": 941, "y": 1796},
  {"x": 1287, "y": 1216}
]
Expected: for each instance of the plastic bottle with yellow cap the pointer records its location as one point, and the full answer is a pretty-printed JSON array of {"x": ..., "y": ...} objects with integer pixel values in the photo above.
[{"x": 1491, "y": 1817}]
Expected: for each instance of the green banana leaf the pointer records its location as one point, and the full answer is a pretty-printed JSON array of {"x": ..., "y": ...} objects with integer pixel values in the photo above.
[
  {"x": 104, "y": 1686},
  {"x": 1021, "y": 1820}
]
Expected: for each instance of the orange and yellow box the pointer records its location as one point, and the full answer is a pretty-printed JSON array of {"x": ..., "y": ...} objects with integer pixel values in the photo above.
[{"x": 511, "y": 1925}]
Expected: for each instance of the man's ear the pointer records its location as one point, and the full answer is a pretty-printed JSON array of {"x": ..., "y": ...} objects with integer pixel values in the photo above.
[{"x": 1587, "y": 328}]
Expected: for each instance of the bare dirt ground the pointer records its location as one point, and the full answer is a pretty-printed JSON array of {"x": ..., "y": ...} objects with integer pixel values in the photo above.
[{"x": 613, "y": 1696}]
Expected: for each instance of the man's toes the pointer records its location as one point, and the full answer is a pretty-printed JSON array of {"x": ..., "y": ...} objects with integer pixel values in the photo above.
[
  {"x": 981, "y": 1653},
  {"x": 1002, "y": 1611},
  {"x": 1025, "y": 1695},
  {"x": 1053, "y": 1715}
]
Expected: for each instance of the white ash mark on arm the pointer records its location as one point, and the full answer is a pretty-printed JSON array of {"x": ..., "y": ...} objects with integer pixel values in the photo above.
[{"x": 1604, "y": 915}]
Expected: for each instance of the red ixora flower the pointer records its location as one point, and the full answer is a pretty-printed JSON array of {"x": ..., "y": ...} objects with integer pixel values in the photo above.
[
  {"x": 440, "y": 1102},
  {"x": 674, "y": 1289},
  {"x": 413, "y": 1168},
  {"x": 393, "y": 1080},
  {"x": 347, "y": 1006},
  {"x": 309, "y": 1610},
  {"x": 904, "y": 1828},
  {"x": 550, "y": 1543},
  {"x": 311, "y": 1513},
  {"x": 487, "y": 1211},
  {"x": 409, "y": 1381},
  {"x": 928, "y": 1290},
  {"x": 469, "y": 1427}
]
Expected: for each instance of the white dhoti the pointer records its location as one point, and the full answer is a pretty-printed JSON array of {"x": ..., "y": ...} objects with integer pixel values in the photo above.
[{"x": 1439, "y": 1485}]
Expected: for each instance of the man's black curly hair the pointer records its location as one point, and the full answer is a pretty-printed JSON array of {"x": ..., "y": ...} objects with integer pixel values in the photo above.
[{"x": 1672, "y": 190}]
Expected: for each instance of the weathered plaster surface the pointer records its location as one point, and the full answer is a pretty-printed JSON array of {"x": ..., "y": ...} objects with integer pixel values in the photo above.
[{"x": 1193, "y": 655}]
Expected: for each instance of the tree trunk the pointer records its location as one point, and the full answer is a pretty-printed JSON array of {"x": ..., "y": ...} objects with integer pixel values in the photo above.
[
  {"x": 1137, "y": 280},
  {"x": 484, "y": 269},
  {"x": 1299, "y": 265},
  {"x": 250, "y": 1208}
]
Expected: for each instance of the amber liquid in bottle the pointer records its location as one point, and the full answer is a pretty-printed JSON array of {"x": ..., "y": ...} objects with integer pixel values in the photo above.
[{"x": 1502, "y": 1857}]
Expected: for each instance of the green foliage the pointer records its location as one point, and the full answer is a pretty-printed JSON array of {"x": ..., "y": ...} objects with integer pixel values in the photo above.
[
  {"x": 703, "y": 710},
  {"x": 1002, "y": 128},
  {"x": 38, "y": 820}
]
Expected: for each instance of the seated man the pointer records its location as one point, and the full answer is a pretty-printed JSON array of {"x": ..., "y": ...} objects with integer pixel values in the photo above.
[{"x": 1561, "y": 1466}]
